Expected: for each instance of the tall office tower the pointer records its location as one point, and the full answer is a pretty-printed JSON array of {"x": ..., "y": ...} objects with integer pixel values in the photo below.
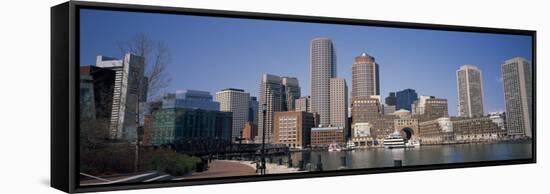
[
  {"x": 470, "y": 91},
  {"x": 303, "y": 104},
  {"x": 253, "y": 106},
  {"x": 235, "y": 101},
  {"x": 323, "y": 68},
  {"x": 517, "y": 80},
  {"x": 339, "y": 103},
  {"x": 291, "y": 89},
  {"x": 365, "y": 80},
  {"x": 405, "y": 98},
  {"x": 271, "y": 96},
  {"x": 128, "y": 90},
  {"x": 391, "y": 99}
]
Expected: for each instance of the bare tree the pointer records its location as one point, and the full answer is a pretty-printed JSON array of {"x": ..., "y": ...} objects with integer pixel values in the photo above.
[{"x": 157, "y": 57}]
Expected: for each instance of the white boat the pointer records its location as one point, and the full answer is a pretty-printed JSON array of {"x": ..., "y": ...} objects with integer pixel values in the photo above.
[
  {"x": 394, "y": 140},
  {"x": 334, "y": 147},
  {"x": 350, "y": 146},
  {"x": 412, "y": 144}
]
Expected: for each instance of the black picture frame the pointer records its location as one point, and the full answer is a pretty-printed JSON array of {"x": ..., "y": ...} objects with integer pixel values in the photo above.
[{"x": 64, "y": 98}]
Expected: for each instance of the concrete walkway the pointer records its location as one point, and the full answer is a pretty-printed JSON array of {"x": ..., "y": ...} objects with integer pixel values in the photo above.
[{"x": 224, "y": 168}]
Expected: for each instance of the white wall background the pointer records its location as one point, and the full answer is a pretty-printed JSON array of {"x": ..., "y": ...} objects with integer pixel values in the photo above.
[{"x": 24, "y": 74}]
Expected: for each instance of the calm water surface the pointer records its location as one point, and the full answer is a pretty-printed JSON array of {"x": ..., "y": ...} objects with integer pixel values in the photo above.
[{"x": 437, "y": 154}]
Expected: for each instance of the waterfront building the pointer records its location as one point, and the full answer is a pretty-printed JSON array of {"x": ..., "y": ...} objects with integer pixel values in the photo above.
[
  {"x": 499, "y": 118},
  {"x": 365, "y": 77},
  {"x": 174, "y": 124},
  {"x": 366, "y": 112},
  {"x": 478, "y": 129},
  {"x": 339, "y": 103},
  {"x": 437, "y": 131},
  {"x": 405, "y": 98},
  {"x": 447, "y": 130},
  {"x": 517, "y": 81},
  {"x": 323, "y": 68},
  {"x": 128, "y": 92},
  {"x": 303, "y": 104},
  {"x": 235, "y": 101},
  {"x": 361, "y": 134},
  {"x": 470, "y": 91},
  {"x": 324, "y": 136},
  {"x": 271, "y": 98},
  {"x": 291, "y": 89},
  {"x": 406, "y": 125},
  {"x": 293, "y": 128}
]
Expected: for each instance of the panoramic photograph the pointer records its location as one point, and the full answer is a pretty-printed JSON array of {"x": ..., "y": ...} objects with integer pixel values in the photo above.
[{"x": 168, "y": 97}]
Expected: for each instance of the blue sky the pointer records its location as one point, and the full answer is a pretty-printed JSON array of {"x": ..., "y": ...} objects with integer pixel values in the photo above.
[{"x": 211, "y": 53}]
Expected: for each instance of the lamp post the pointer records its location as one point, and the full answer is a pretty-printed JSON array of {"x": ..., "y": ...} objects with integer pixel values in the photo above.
[{"x": 264, "y": 110}]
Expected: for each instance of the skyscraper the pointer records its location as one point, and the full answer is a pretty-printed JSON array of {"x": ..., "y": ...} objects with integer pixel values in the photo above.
[
  {"x": 303, "y": 104},
  {"x": 291, "y": 89},
  {"x": 271, "y": 96},
  {"x": 339, "y": 103},
  {"x": 235, "y": 101},
  {"x": 365, "y": 80},
  {"x": 128, "y": 88},
  {"x": 253, "y": 106},
  {"x": 517, "y": 77},
  {"x": 391, "y": 99},
  {"x": 470, "y": 91},
  {"x": 405, "y": 98},
  {"x": 323, "y": 68}
]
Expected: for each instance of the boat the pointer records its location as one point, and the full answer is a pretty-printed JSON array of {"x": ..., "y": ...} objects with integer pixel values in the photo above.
[
  {"x": 412, "y": 144},
  {"x": 394, "y": 140},
  {"x": 334, "y": 147},
  {"x": 349, "y": 146}
]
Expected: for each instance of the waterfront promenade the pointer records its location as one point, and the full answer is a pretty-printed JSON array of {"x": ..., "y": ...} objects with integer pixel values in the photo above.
[
  {"x": 272, "y": 168},
  {"x": 223, "y": 168}
]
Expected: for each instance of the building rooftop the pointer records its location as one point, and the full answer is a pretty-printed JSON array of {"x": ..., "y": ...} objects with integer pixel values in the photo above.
[
  {"x": 233, "y": 89},
  {"x": 326, "y": 128}
]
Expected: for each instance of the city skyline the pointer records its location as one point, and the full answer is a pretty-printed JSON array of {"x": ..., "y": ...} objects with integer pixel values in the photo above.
[{"x": 403, "y": 54}]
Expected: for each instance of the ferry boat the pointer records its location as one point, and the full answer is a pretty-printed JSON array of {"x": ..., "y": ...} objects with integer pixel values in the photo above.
[
  {"x": 334, "y": 147},
  {"x": 394, "y": 140}
]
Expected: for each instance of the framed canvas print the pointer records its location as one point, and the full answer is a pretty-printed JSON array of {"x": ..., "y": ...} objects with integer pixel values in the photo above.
[{"x": 147, "y": 96}]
